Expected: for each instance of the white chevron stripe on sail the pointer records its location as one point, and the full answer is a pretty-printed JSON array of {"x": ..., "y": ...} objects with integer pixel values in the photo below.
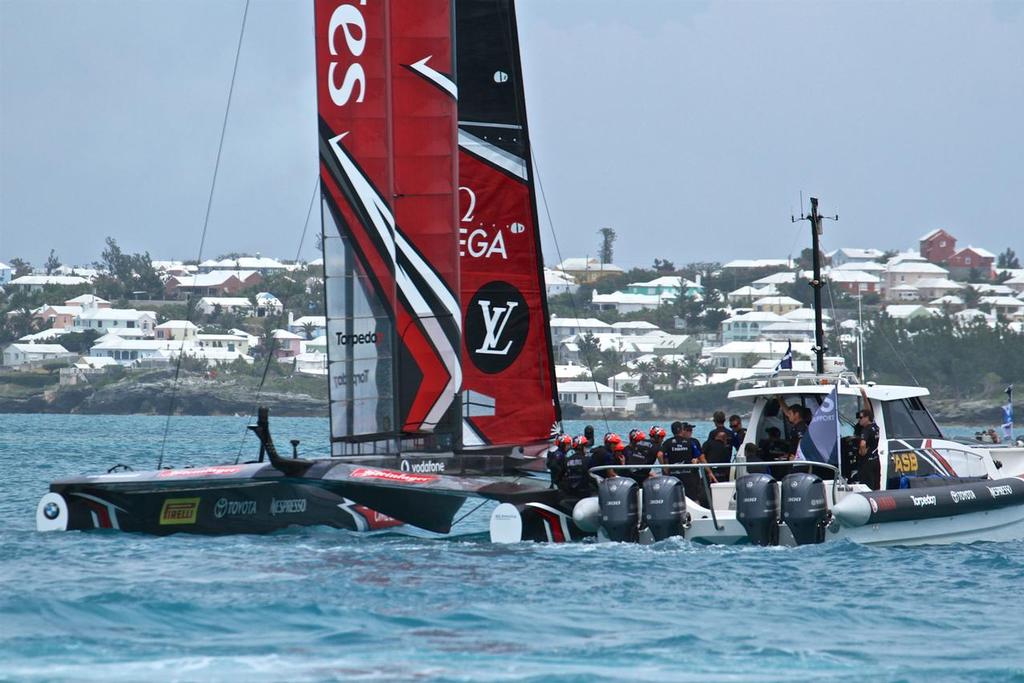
[
  {"x": 384, "y": 223},
  {"x": 495, "y": 155},
  {"x": 434, "y": 76}
]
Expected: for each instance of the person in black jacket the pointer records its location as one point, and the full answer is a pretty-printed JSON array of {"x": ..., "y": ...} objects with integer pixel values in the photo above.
[{"x": 682, "y": 448}]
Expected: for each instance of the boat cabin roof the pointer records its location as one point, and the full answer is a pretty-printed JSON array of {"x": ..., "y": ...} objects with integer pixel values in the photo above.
[{"x": 785, "y": 384}]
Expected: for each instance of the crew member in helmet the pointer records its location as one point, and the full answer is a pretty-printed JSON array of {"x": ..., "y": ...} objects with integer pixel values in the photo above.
[
  {"x": 556, "y": 457},
  {"x": 682, "y": 449},
  {"x": 657, "y": 435},
  {"x": 575, "y": 480},
  {"x": 608, "y": 453},
  {"x": 639, "y": 452}
]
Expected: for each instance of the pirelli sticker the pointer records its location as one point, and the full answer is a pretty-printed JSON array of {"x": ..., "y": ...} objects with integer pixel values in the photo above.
[{"x": 179, "y": 511}]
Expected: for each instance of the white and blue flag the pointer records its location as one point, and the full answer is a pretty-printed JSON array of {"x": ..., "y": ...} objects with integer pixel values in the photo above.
[
  {"x": 821, "y": 442},
  {"x": 1008, "y": 414},
  {"x": 786, "y": 362}
]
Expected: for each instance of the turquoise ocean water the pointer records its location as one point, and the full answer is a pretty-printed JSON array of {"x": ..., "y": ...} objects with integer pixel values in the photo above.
[{"x": 323, "y": 604}]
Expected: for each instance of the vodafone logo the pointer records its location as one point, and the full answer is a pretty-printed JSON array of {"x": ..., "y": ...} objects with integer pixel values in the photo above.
[{"x": 391, "y": 475}]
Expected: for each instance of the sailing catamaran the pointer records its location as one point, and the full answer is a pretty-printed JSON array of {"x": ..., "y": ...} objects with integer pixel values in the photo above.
[
  {"x": 440, "y": 371},
  {"x": 439, "y": 353}
]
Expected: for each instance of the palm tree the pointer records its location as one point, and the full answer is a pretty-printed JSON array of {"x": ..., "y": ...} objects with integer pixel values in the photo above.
[
  {"x": 646, "y": 370},
  {"x": 308, "y": 328}
]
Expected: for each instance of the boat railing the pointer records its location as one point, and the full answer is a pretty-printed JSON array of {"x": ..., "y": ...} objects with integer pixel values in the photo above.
[
  {"x": 797, "y": 379},
  {"x": 706, "y": 485}
]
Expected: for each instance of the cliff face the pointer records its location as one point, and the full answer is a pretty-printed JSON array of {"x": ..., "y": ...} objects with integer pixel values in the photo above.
[{"x": 155, "y": 398}]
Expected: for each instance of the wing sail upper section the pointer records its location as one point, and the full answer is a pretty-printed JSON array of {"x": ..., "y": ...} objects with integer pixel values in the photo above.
[
  {"x": 388, "y": 179},
  {"x": 508, "y": 372}
]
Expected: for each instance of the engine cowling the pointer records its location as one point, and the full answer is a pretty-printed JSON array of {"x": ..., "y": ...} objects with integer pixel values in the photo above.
[
  {"x": 620, "y": 515},
  {"x": 804, "y": 508},
  {"x": 757, "y": 508},
  {"x": 664, "y": 507}
]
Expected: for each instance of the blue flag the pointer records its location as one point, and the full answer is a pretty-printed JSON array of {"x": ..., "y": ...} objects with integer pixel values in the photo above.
[
  {"x": 786, "y": 362},
  {"x": 821, "y": 442}
]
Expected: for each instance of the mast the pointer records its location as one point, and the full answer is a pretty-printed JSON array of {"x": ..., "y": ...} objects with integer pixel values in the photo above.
[{"x": 819, "y": 328}]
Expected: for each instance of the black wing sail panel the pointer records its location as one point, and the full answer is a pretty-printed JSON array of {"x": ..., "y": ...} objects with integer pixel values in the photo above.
[{"x": 510, "y": 394}]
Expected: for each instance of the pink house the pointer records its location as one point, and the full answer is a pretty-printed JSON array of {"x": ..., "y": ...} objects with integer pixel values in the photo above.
[
  {"x": 57, "y": 317},
  {"x": 286, "y": 344}
]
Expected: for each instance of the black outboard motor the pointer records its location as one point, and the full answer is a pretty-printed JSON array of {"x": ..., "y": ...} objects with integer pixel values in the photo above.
[
  {"x": 803, "y": 507},
  {"x": 664, "y": 507},
  {"x": 619, "y": 514},
  {"x": 757, "y": 508}
]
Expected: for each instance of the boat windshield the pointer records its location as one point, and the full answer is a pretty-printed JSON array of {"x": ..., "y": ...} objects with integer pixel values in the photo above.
[
  {"x": 907, "y": 418},
  {"x": 772, "y": 416}
]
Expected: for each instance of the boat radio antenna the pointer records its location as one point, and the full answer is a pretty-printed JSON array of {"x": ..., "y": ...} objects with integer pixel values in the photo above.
[{"x": 816, "y": 282}]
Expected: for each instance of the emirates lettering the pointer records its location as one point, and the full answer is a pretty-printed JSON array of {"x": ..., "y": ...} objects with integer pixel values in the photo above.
[{"x": 349, "y": 21}]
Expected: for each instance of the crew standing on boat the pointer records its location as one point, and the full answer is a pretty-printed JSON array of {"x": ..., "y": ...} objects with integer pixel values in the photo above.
[
  {"x": 739, "y": 432},
  {"x": 639, "y": 452},
  {"x": 607, "y": 454},
  {"x": 556, "y": 458},
  {"x": 867, "y": 469},
  {"x": 718, "y": 450},
  {"x": 682, "y": 449},
  {"x": 575, "y": 480}
]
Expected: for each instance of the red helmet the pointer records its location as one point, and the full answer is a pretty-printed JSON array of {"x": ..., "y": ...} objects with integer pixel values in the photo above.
[
  {"x": 657, "y": 432},
  {"x": 563, "y": 440},
  {"x": 636, "y": 435},
  {"x": 612, "y": 439},
  {"x": 580, "y": 442}
]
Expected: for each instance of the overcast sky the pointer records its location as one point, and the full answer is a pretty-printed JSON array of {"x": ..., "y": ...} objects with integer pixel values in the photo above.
[{"x": 689, "y": 127}]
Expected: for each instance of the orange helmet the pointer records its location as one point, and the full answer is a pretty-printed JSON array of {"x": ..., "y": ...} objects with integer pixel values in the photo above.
[
  {"x": 657, "y": 432},
  {"x": 636, "y": 435},
  {"x": 563, "y": 440},
  {"x": 580, "y": 442},
  {"x": 611, "y": 439}
]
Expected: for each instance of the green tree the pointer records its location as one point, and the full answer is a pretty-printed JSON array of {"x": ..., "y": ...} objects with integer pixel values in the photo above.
[
  {"x": 21, "y": 266},
  {"x": 606, "y": 250},
  {"x": 1007, "y": 259},
  {"x": 52, "y": 263},
  {"x": 663, "y": 266}
]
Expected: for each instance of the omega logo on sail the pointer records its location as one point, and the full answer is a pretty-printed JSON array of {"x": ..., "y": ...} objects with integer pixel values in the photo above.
[{"x": 350, "y": 20}]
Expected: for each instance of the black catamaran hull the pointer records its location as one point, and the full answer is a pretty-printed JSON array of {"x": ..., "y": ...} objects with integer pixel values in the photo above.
[{"x": 260, "y": 498}]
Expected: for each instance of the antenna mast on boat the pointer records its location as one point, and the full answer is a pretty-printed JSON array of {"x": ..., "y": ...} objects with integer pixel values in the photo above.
[{"x": 819, "y": 328}]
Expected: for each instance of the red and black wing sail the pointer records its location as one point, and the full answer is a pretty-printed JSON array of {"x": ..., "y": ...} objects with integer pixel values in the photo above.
[
  {"x": 509, "y": 386},
  {"x": 388, "y": 169}
]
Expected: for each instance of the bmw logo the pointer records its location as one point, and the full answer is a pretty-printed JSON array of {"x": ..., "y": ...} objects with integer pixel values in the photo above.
[{"x": 51, "y": 510}]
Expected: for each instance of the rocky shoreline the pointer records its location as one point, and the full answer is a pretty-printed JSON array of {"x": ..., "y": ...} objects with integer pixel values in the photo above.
[
  {"x": 191, "y": 397},
  {"x": 206, "y": 397}
]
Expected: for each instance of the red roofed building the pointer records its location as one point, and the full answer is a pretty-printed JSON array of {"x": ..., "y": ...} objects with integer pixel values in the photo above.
[
  {"x": 969, "y": 258},
  {"x": 937, "y": 246}
]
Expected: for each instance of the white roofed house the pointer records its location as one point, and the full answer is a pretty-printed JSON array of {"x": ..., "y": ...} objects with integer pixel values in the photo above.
[
  {"x": 308, "y": 326},
  {"x": 263, "y": 264},
  {"x": 775, "y": 279},
  {"x": 217, "y": 283},
  {"x": 57, "y": 317},
  {"x": 776, "y": 304},
  {"x": 106, "y": 320},
  {"x": 87, "y": 301},
  {"x": 557, "y": 282},
  {"x": 739, "y": 354},
  {"x": 672, "y": 285},
  {"x": 591, "y": 395},
  {"x": 935, "y": 287},
  {"x": 855, "y": 281},
  {"x": 634, "y": 327},
  {"x": 903, "y": 293},
  {"x": 228, "y": 343},
  {"x": 563, "y": 328},
  {"x": 909, "y": 271},
  {"x": 17, "y": 354},
  {"x": 747, "y": 326},
  {"x": 268, "y": 305},
  {"x": 586, "y": 270},
  {"x": 908, "y": 311},
  {"x": 36, "y": 283},
  {"x": 1005, "y": 306},
  {"x": 624, "y": 302},
  {"x": 848, "y": 255},
  {"x": 236, "y": 305},
  {"x": 286, "y": 344},
  {"x": 6, "y": 273},
  {"x": 745, "y": 296},
  {"x": 1016, "y": 283},
  {"x": 182, "y": 330}
]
